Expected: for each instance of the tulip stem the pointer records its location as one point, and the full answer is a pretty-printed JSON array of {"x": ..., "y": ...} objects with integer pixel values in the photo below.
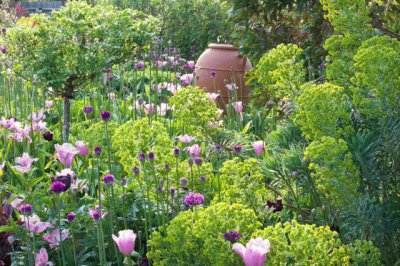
[
  {"x": 30, "y": 252},
  {"x": 60, "y": 232}
]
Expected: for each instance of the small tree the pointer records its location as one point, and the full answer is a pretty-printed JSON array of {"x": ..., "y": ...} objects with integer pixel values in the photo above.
[{"x": 71, "y": 48}]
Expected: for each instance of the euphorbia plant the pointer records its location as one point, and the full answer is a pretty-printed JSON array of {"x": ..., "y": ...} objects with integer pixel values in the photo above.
[{"x": 72, "y": 47}]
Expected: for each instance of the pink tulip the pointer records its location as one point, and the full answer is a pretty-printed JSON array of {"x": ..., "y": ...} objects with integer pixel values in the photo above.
[
  {"x": 149, "y": 108},
  {"x": 82, "y": 148},
  {"x": 49, "y": 104},
  {"x": 95, "y": 213},
  {"x": 54, "y": 237},
  {"x": 34, "y": 225},
  {"x": 42, "y": 258},
  {"x": 255, "y": 252},
  {"x": 194, "y": 150},
  {"x": 162, "y": 109},
  {"x": 186, "y": 138},
  {"x": 238, "y": 106},
  {"x": 25, "y": 163},
  {"x": 187, "y": 78},
  {"x": 212, "y": 96},
  {"x": 66, "y": 154},
  {"x": 125, "y": 241},
  {"x": 191, "y": 64},
  {"x": 258, "y": 147}
]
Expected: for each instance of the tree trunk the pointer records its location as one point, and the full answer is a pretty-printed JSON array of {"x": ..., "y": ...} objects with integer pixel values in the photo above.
[{"x": 67, "y": 114}]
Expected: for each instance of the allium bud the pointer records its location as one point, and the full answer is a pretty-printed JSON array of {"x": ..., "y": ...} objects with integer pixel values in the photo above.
[
  {"x": 97, "y": 150},
  {"x": 136, "y": 170},
  {"x": 105, "y": 116},
  {"x": 70, "y": 217},
  {"x": 26, "y": 209},
  {"x": 176, "y": 152},
  {"x": 108, "y": 179},
  {"x": 142, "y": 158},
  {"x": 183, "y": 181}
]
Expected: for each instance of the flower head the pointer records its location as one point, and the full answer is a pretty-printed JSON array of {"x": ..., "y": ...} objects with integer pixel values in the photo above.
[
  {"x": 186, "y": 138},
  {"x": 82, "y": 147},
  {"x": 194, "y": 199},
  {"x": 88, "y": 109},
  {"x": 97, "y": 150},
  {"x": 125, "y": 241},
  {"x": 238, "y": 106},
  {"x": 26, "y": 209},
  {"x": 198, "y": 161},
  {"x": 66, "y": 153},
  {"x": 70, "y": 217},
  {"x": 183, "y": 181},
  {"x": 108, "y": 179},
  {"x": 176, "y": 152},
  {"x": 276, "y": 206},
  {"x": 42, "y": 258},
  {"x": 139, "y": 65},
  {"x": 57, "y": 187},
  {"x": 194, "y": 150},
  {"x": 237, "y": 148},
  {"x": 142, "y": 157},
  {"x": 136, "y": 170},
  {"x": 48, "y": 136},
  {"x": 232, "y": 236},
  {"x": 213, "y": 74},
  {"x": 258, "y": 147},
  {"x": 105, "y": 116},
  {"x": 255, "y": 252},
  {"x": 95, "y": 213},
  {"x": 34, "y": 224},
  {"x": 54, "y": 237},
  {"x": 150, "y": 156},
  {"x": 25, "y": 163}
]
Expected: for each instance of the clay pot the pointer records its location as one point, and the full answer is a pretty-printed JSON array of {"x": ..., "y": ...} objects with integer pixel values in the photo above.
[{"x": 229, "y": 67}]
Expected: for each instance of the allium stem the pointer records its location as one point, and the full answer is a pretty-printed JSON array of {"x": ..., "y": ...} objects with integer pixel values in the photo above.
[{"x": 30, "y": 251}]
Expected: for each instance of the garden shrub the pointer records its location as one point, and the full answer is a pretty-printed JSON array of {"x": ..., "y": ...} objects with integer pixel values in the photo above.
[
  {"x": 242, "y": 182},
  {"x": 95, "y": 134},
  {"x": 333, "y": 169},
  {"x": 132, "y": 138},
  {"x": 280, "y": 73},
  {"x": 322, "y": 111},
  {"x": 297, "y": 244},
  {"x": 193, "y": 110},
  {"x": 376, "y": 80},
  {"x": 195, "y": 237}
]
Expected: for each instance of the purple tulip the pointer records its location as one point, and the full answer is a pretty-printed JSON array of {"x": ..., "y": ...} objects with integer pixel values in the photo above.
[
  {"x": 255, "y": 252},
  {"x": 194, "y": 199},
  {"x": 66, "y": 154}
]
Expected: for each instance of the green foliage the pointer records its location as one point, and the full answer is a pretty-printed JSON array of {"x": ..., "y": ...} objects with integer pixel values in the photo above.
[
  {"x": 193, "y": 110},
  {"x": 132, "y": 138},
  {"x": 95, "y": 134},
  {"x": 72, "y": 47},
  {"x": 376, "y": 80},
  {"x": 280, "y": 73},
  {"x": 294, "y": 243},
  {"x": 333, "y": 169},
  {"x": 196, "y": 237},
  {"x": 322, "y": 111},
  {"x": 261, "y": 25},
  {"x": 242, "y": 182}
]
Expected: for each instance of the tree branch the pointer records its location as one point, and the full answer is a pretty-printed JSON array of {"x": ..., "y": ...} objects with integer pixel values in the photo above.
[{"x": 377, "y": 24}]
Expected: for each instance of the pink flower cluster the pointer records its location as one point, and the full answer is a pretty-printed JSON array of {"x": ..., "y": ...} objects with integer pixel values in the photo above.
[{"x": 20, "y": 130}]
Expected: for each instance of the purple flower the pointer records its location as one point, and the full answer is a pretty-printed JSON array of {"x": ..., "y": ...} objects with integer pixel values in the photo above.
[
  {"x": 70, "y": 217},
  {"x": 167, "y": 167},
  {"x": 186, "y": 138},
  {"x": 123, "y": 182},
  {"x": 4, "y": 50},
  {"x": 95, "y": 213},
  {"x": 202, "y": 178},
  {"x": 97, "y": 150},
  {"x": 194, "y": 150},
  {"x": 3, "y": 30},
  {"x": 25, "y": 163},
  {"x": 88, "y": 109},
  {"x": 213, "y": 74},
  {"x": 190, "y": 161},
  {"x": 176, "y": 152},
  {"x": 139, "y": 65},
  {"x": 276, "y": 206},
  {"x": 125, "y": 241},
  {"x": 110, "y": 77},
  {"x": 142, "y": 158},
  {"x": 105, "y": 116},
  {"x": 232, "y": 236},
  {"x": 172, "y": 191},
  {"x": 108, "y": 179},
  {"x": 66, "y": 154},
  {"x": 159, "y": 190},
  {"x": 255, "y": 252},
  {"x": 237, "y": 148},
  {"x": 107, "y": 70},
  {"x": 217, "y": 147},
  {"x": 183, "y": 181},
  {"x": 150, "y": 156},
  {"x": 136, "y": 170},
  {"x": 26, "y": 209},
  {"x": 194, "y": 199},
  {"x": 198, "y": 161},
  {"x": 65, "y": 177},
  {"x": 82, "y": 147},
  {"x": 258, "y": 147},
  {"x": 48, "y": 136},
  {"x": 57, "y": 187}
]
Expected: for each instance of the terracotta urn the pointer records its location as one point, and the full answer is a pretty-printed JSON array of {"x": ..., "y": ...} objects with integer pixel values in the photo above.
[{"x": 221, "y": 65}]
